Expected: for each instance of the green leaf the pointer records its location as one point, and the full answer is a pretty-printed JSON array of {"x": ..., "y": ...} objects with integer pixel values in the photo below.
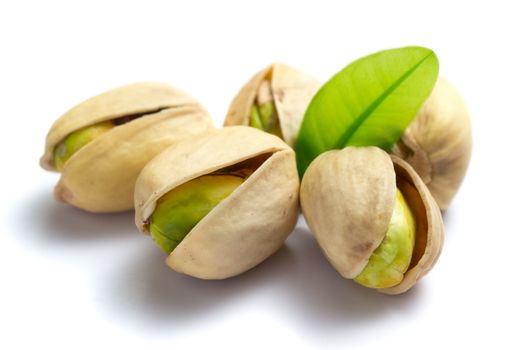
[{"x": 368, "y": 103}]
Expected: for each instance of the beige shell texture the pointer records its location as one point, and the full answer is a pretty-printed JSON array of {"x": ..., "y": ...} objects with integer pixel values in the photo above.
[
  {"x": 347, "y": 198},
  {"x": 246, "y": 227},
  {"x": 292, "y": 93},
  {"x": 438, "y": 143},
  {"x": 131, "y": 99},
  {"x": 429, "y": 232},
  {"x": 100, "y": 177}
]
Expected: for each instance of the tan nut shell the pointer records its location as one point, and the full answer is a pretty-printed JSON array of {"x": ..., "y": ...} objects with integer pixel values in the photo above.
[
  {"x": 100, "y": 177},
  {"x": 347, "y": 198},
  {"x": 246, "y": 227},
  {"x": 438, "y": 143},
  {"x": 292, "y": 92}
]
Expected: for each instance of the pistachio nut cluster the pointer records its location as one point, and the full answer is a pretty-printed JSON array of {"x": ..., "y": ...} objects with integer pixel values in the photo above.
[
  {"x": 438, "y": 143},
  {"x": 221, "y": 203},
  {"x": 102, "y": 144},
  {"x": 373, "y": 217},
  {"x": 274, "y": 101}
]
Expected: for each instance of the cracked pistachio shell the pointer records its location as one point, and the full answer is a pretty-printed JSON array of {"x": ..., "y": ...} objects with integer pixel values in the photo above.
[
  {"x": 347, "y": 198},
  {"x": 247, "y": 226},
  {"x": 100, "y": 176},
  {"x": 292, "y": 92},
  {"x": 438, "y": 143}
]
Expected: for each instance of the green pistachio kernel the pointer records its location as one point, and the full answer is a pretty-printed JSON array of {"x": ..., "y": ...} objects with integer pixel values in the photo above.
[
  {"x": 179, "y": 210},
  {"x": 76, "y": 140},
  {"x": 391, "y": 259},
  {"x": 263, "y": 114},
  {"x": 270, "y": 119},
  {"x": 255, "y": 118},
  {"x": 264, "y": 117}
]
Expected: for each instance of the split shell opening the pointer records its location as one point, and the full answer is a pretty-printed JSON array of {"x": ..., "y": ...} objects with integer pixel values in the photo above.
[
  {"x": 247, "y": 226},
  {"x": 100, "y": 175},
  {"x": 280, "y": 87},
  {"x": 347, "y": 198}
]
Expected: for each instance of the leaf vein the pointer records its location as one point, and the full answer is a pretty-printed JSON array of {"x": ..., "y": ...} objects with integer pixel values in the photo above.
[{"x": 343, "y": 140}]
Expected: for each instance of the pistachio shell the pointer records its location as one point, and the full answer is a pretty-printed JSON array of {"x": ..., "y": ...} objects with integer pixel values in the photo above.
[
  {"x": 132, "y": 99},
  {"x": 429, "y": 226},
  {"x": 438, "y": 143},
  {"x": 347, "y": 198},
  {"x": 292, "y": 92},
  {"x": 247, "y": 226},
  {"x": 100, "y": 176}
]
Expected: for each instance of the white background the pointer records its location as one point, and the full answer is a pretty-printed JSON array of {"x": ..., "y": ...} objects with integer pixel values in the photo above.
[{"x": 69, "y": 279}]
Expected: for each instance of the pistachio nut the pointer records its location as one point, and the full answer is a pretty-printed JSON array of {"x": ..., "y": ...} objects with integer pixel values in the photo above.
[
  {"x": 373, "y": 217},
  {"x": 220, "y": 203},
  {"x": 438, "y": 143},
  {"x": 275, "y": 101},
  {"x": 100, "y": 145}
]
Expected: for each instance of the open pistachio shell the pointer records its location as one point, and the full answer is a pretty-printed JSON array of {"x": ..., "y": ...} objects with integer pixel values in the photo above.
[
  {"x": 438, "y": 143},
  {"x": 429, "y": 226},
  {"x": 292, "y": 91},
  {"x": 347, "y": 198},
  {"x": 247, "y": 226},
  {"x": 100, "y": 176}
]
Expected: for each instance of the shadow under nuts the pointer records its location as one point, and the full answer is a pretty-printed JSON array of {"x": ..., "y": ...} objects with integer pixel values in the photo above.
[
  {"x": 438, "y": 143},
  {"x": 274, "y": 101},
  {"x": 101, "y": 145},
  {"x": 219, "y": 209},
  {"x": 373, "y": 217}
]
